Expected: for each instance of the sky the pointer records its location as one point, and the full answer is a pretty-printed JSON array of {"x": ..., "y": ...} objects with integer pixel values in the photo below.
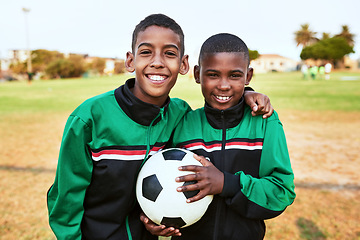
[{"x": 104, "y": 28}]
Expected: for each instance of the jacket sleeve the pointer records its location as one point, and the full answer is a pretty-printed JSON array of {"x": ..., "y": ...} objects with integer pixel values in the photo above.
[
  {"x": 73, "y": 175},
  {"x": 269, "y": 195}
]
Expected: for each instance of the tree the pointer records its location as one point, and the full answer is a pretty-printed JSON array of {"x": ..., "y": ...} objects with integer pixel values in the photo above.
[
  {"x": 325, "y": 36},
  {"x": 41, "y": 58},
  {"x": 305, "y": 36},
  {"x": 332, "y": 49},
  {"x": 73, "y": 66},
  {"x": 59, "y": 68},
  {"x": 253, "y": 54},
  {"x": 98, "y": 64},
  {"x": 119, "y": 67},
  {"x": 18, "y": 67},
  {"x": 345, "y": 33},
  {"x": 78, "y": 65}
]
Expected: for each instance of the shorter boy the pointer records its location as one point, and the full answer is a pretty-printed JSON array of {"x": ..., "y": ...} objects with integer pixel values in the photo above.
[{"x": 245, "y": 160}]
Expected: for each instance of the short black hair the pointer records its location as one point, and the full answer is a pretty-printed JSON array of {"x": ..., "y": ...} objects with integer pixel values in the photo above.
[
  {"x": 224, "y": 42},
  {"x": 160, "y": 20}
]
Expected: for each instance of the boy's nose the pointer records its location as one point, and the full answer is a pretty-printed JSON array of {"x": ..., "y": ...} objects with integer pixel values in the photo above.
[
  {"x": 157, "y": 62},
  {"x": 224, "y": 84}
]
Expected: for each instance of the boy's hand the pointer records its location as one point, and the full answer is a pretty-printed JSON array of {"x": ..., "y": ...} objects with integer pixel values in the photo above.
[
  {"x": 259, "y": 103},
  {"x": 210, "y": 180},
  {"x": 157, "y": 230}
]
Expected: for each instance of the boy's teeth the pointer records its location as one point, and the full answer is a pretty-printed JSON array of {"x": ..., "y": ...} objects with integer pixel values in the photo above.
[
  {"x": 222, "y": 98},
  {"x": 156, "y": 77}
]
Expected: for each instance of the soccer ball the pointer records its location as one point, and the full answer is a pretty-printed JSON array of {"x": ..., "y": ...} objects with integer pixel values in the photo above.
[{"x": 156, "y": 190}]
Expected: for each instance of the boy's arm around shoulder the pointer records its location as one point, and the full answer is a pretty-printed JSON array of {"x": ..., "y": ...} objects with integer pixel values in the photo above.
[
  {"x": 268, "y": 195},
  {"x": 258, "y": 102},
  {"x": 66, "y": 196}
]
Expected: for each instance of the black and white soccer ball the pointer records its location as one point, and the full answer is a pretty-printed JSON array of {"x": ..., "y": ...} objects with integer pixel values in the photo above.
[{"x": 156, "y": 190}]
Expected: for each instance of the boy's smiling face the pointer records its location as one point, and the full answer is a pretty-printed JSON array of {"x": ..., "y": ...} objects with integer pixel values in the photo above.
[
  {"x": 157, "y": 61},
  {"x": 223, "y": 77}
]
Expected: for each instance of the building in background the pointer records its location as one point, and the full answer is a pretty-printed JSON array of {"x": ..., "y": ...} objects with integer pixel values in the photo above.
[
  {"x": 12, "y": 57},
  {"x": 17, "y": 55},
  {"x": 273, "y": 63},
  {"x": 351, "y": 64}
]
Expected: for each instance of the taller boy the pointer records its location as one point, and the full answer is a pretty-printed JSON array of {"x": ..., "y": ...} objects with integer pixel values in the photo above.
[{"x": 107, "y": 138}]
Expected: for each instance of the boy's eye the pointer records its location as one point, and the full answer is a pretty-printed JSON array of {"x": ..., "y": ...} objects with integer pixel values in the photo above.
[
  {"x": 235, "y": 76},
  {"x": 212, "y": 75},
  {"x": 170, "y": 54},
  {"x": 145, "y": 52}
]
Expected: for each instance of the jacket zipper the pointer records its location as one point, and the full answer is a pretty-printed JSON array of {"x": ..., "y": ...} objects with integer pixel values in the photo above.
[
  {"x": 223, "y": 141},
  {"x": 222, "y": 167},
  {"x": 160, "y": 114},
  {"x": 148, "y": 135}
]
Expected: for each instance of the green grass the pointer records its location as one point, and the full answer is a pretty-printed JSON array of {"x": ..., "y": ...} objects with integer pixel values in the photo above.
[
  {"x": 286, "y": 91},
  {"x": 52, "y": 95},
  {"x": 290, "y": 91}
]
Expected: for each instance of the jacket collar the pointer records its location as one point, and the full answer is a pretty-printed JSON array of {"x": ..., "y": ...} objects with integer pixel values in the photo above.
[
  {"x": 223, "y": 119},
  {"x": 139, "y": 111}
]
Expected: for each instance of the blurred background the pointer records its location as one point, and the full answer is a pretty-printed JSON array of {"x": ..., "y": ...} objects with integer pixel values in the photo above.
[{"x": 56, "y": 54}]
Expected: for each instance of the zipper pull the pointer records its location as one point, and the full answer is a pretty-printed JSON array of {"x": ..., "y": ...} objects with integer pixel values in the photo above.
[
  {"x": 162, "y": 112},
  {"x": 223, "y": 120}
]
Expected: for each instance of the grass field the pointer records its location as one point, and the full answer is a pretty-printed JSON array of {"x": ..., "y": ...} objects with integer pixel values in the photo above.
[{"x": 321, "y": 121}]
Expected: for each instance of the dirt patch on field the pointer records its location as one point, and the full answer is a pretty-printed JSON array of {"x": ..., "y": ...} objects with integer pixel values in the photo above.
[
  {"x": 324, "y": 148},
  {"x": 325, "y": 153}
]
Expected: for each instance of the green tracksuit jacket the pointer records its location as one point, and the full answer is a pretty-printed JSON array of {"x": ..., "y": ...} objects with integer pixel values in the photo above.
[
  {"x": 104, "y": 143},
  {"x": 252, "y": 152}
]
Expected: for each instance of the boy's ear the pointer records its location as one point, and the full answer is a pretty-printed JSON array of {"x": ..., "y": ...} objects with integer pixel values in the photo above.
[
  {"x": 129, "y": 62},
  {"x": 250, "y": 73},
  {"x": 197, "y": 74},
  {"x": 184, "y": 67}
]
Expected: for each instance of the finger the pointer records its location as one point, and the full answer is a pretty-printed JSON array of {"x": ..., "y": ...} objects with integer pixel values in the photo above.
[
  {"x": 190, "y": 187},
  {"x": 142, "y": 217},
  {"x": 261, "y": 106},
  {"x": 154, "y": 229},
  {"x": 146, "y": 220},
  {"x": 259, "y": 110},
  {"x": 254, "y": 108},
  {"x": 202, "y": 160},
  {"x": 197, "y": 157},
  {"x": 271, "y": 111},
  {"x": 268, "y": 102},
  {"x": 188, "y": 178},
  {"x": 169, "y": 234},
  {"x": 171, "y": 231},
  {"x": 164, "y": 231},
  {"x": 268, "y": 110},
  {"x": 192, "y": 168},
  {"x": 197, "y": 197}
]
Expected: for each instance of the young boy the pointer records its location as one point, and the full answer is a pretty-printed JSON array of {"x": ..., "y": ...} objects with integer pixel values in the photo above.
[
  {"x": 245, "y": 160},
  {"x": 107, "y": 138}
]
